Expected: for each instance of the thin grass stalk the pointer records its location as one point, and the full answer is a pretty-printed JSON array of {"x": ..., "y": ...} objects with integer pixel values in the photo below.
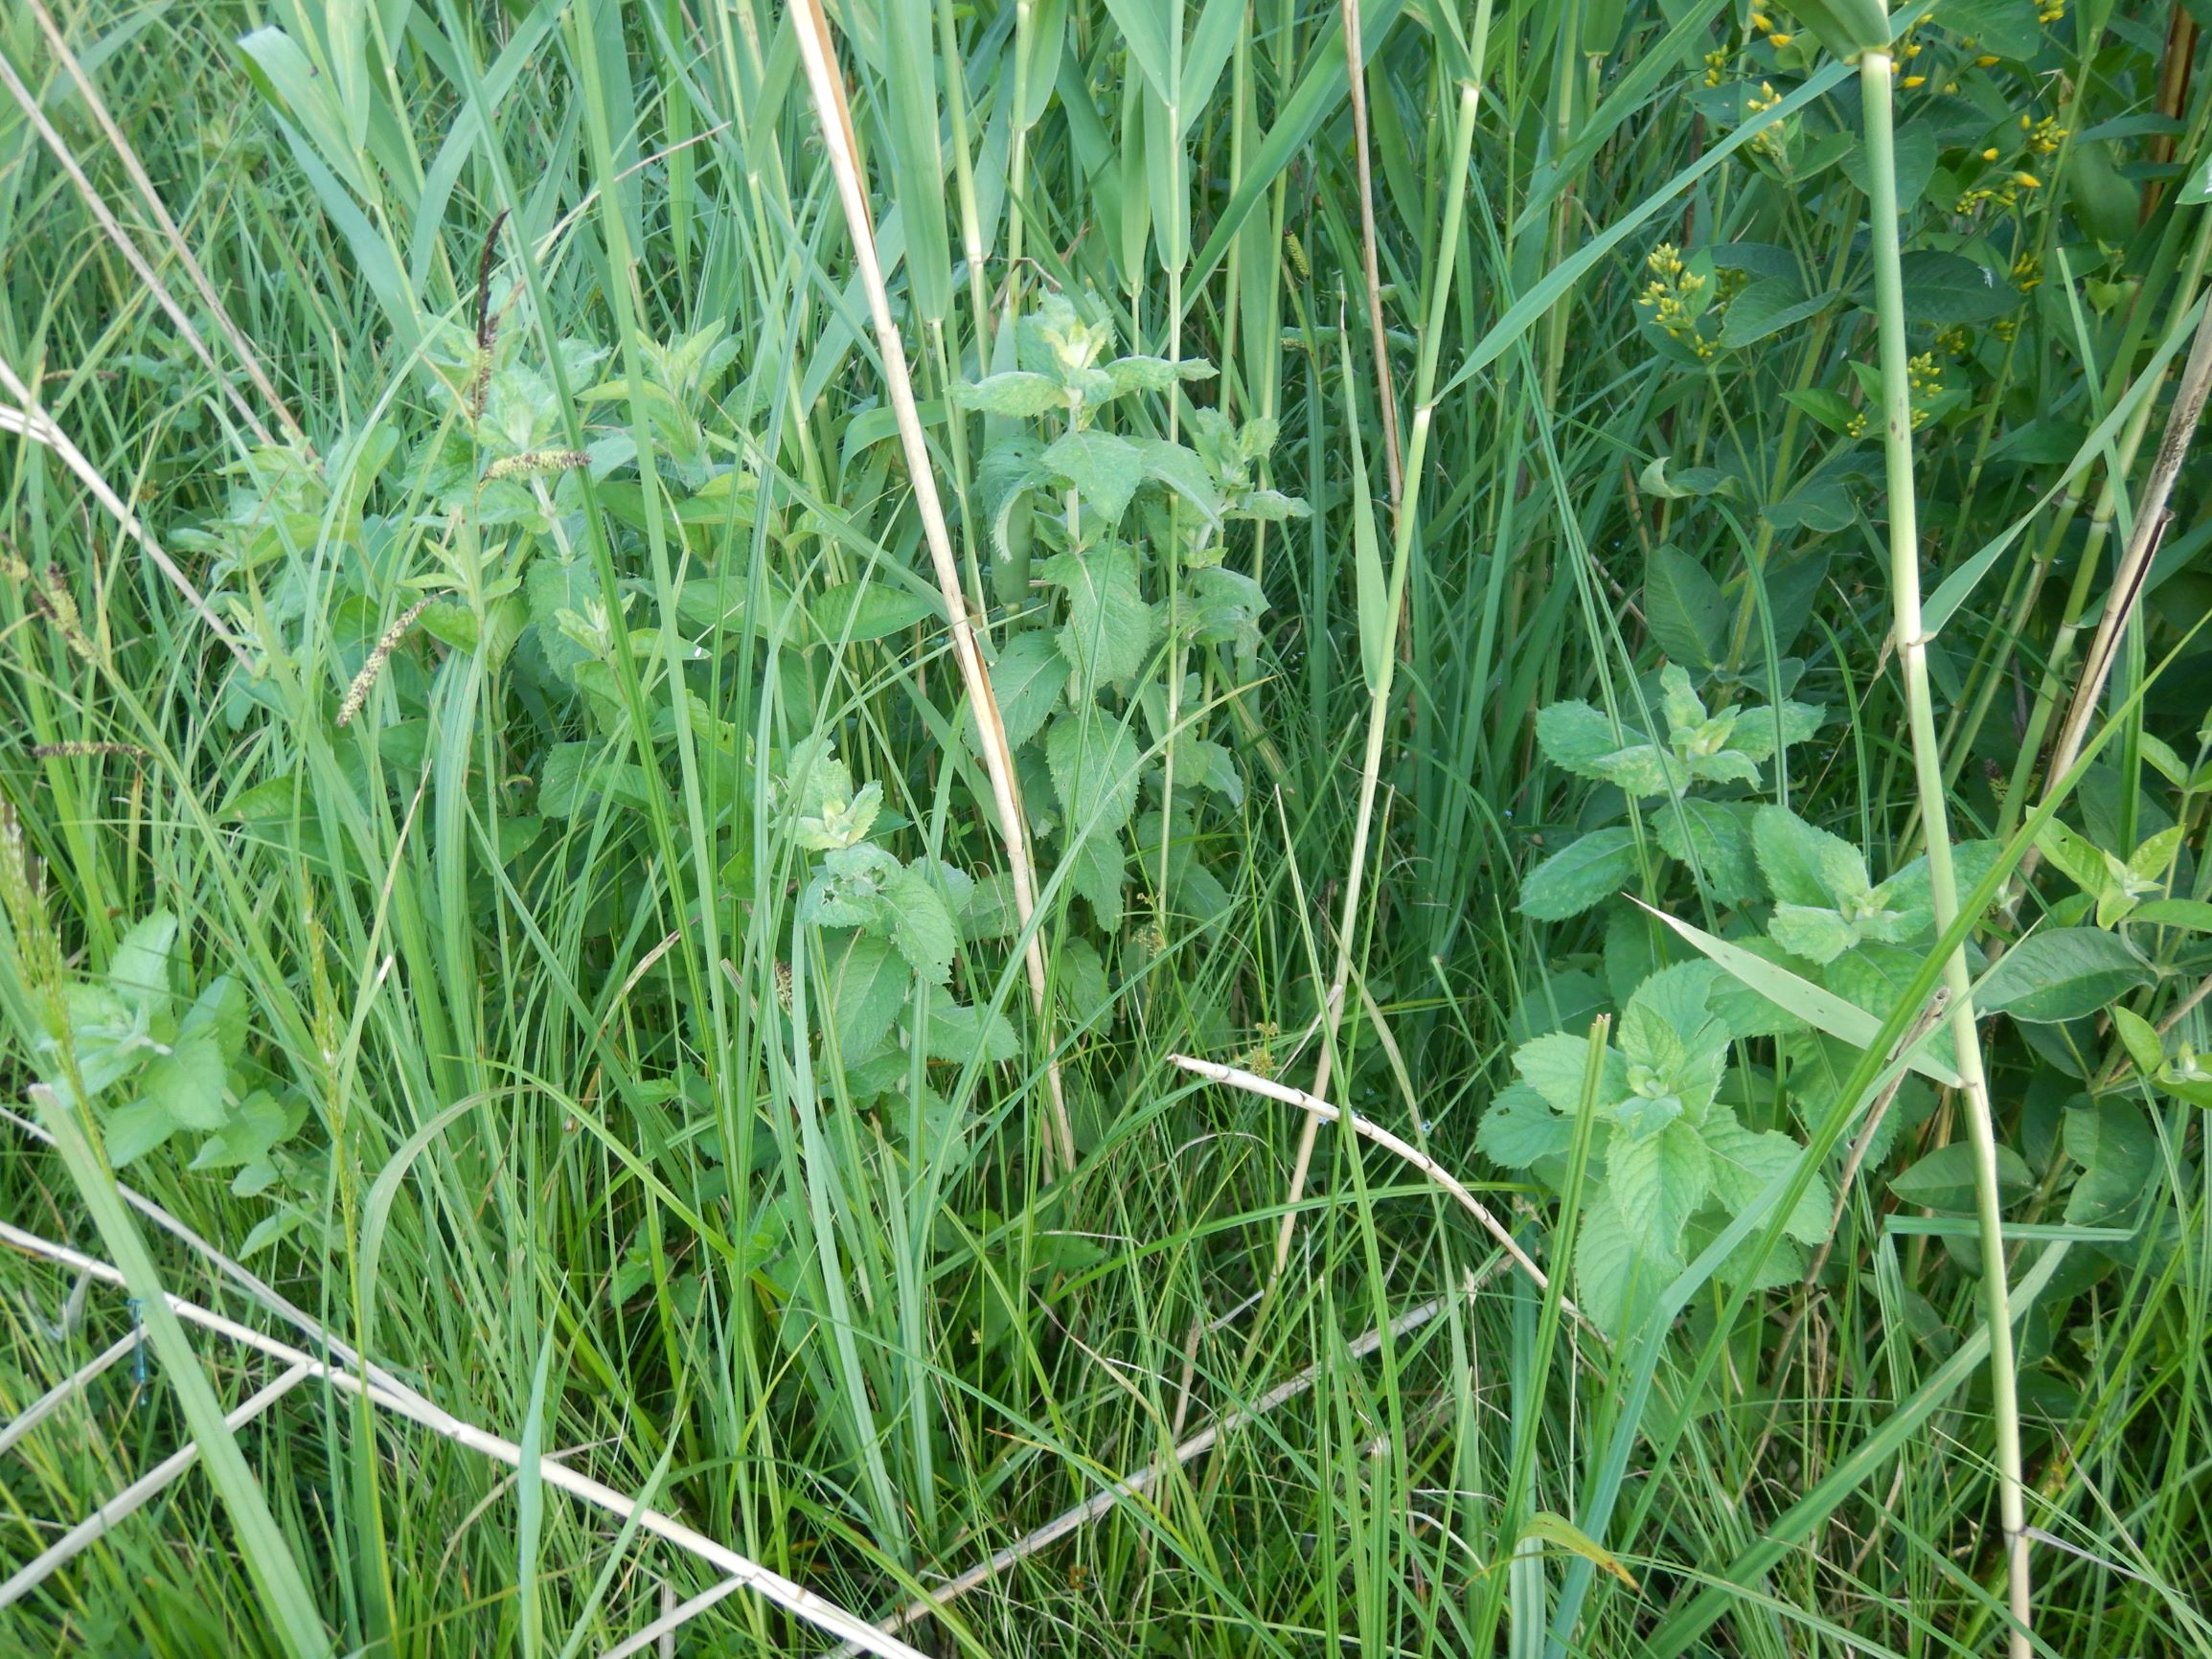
[
  {"x": 1874, "y": 84},
  {"x": 2135, "y": 564},
  {"x": 1323, "y": 1111},
  {"x": 131, "y": 165},
  {"x": 285, "y": 1599},
  {"x": 31, "y": 420},
  {"x": 137, "y": 1494},
  {"x": 819, "y": 50},
  {"x": 1140, "y": 1480},
  {"x": 1379, "y": 704},
  {"x": 1356, "y": 68},
  {"x": 405, "y": 1403},
  {"x": 128, "y": 247}
]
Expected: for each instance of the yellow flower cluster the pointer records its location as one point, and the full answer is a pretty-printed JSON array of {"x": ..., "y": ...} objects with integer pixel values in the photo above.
[
  {"x": 1953, "y": 341},
  {"x": 1715, "y": 67},
  {"x": 2027, "y": 271},
  {"x": 1778, "y": 34},
  {"x": 2045, "y": 136},
  {"x": 2051, "y": 13},
  {"x": 1926, "y": 379},
  {"x": 1769, "y": 142},
  {"x": 1669, "y": 296}
]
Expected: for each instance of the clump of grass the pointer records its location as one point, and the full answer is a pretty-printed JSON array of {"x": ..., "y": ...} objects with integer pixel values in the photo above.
[{"x": 703, "y": 1002}]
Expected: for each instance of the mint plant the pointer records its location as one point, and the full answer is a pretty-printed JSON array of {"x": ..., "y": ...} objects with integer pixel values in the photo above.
[
  {"x": 156, "y": 1064},
  {"x": 1671, "y": 1160},
  {"x": 1103, "y": 687}
]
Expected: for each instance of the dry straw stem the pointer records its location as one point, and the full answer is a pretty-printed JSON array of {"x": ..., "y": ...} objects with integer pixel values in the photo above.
[
  {"x": 136, "y": 1495},
  {"x": 2135, "y": 564},
  {"x": 129, "y": 248},
  {"x": 822, "y": 75},
  {"x": 404, "y": 1402},
  {"x": 1140, "y": 1480},
  {"x": 32, "y": 422},
  {"x": 1320, "y": 1112},
  {"x": 174, "y": 238}
]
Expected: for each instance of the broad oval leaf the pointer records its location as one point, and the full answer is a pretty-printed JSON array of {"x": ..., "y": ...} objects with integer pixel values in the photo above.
[{"x": 2062, "y": 973}]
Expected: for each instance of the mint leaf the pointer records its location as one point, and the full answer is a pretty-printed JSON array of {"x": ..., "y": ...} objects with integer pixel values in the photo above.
[
  {"x": 1094, "y": 763},
  {"x": 1657, "y": 1183},
  {"x": 1584, "y": 871},
  {"x": 1096, "y": 870},
  {"x": 1105, "y": 470},
  {"x": 1017, "y": 393},
  {"x": 1719, "y": 834},
  {"x": 1521, "y": 1127},
  {"x": 1805, "y": 866},
  {"x": 139, "y": 971},
  {"x": 1617, "y": 1281},
  {"x": 1027, "y": 680},
  {"x": 957, "y": 1033},
  {"x": 1553, "y": 1066},
  {"x": 188, "y": 1081},
  {"x": 1576, "y": 738},
  {"x": 1746, "y": 1160},
  {"x": 867, "y": 987},
  {"x": 920, "y": 921},
  {"x": 1111, "y": 629}
]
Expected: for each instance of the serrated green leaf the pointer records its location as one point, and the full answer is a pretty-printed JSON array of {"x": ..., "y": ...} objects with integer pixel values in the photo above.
[
  {"x": 1017, "y": 393},
  {"x": 1588, "y": 869},
  {"x": 188, "y": 1082},
  {"x": 958, "y": 1032},
  {"x": 137, "y": 1129},
  {"x": 1521, "y": 1127},
  {"x": 1744, "y": 1161},
  {"x": 139, "y": 970},
  {"x": 1111, "y": 629},
  {"x": 868, "y": 983},
  {"x": 1105, "y": 470},
  {"x": 1816, "y": 935},
  {"x": 1094, "y": 763},
  {"x": 1576, "y": 738},
  {"x": 1815, "y": 1005},
  {"x": 1720, "y": 831},
  {"x": 920, "y": 921},
  {"x": 1615, "y": 1280},
  {"x": 1179, "y": 468},
  {"x": 1097, "y": 870},
  {"x": 1805, "y": 866},
  {"x": 1027, "y": 680},
  {"x": 1554, "y": 1065}
]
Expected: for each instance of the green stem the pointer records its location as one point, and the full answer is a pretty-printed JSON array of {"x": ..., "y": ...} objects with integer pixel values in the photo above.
[{"x": 1874, "y": 74}]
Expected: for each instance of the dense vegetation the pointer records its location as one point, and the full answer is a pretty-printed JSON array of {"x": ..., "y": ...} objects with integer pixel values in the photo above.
[{"x": 659, "y": 663}]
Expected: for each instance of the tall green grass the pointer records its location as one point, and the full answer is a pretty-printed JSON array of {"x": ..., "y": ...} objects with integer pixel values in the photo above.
[{"x": 561, "y": 1129}]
